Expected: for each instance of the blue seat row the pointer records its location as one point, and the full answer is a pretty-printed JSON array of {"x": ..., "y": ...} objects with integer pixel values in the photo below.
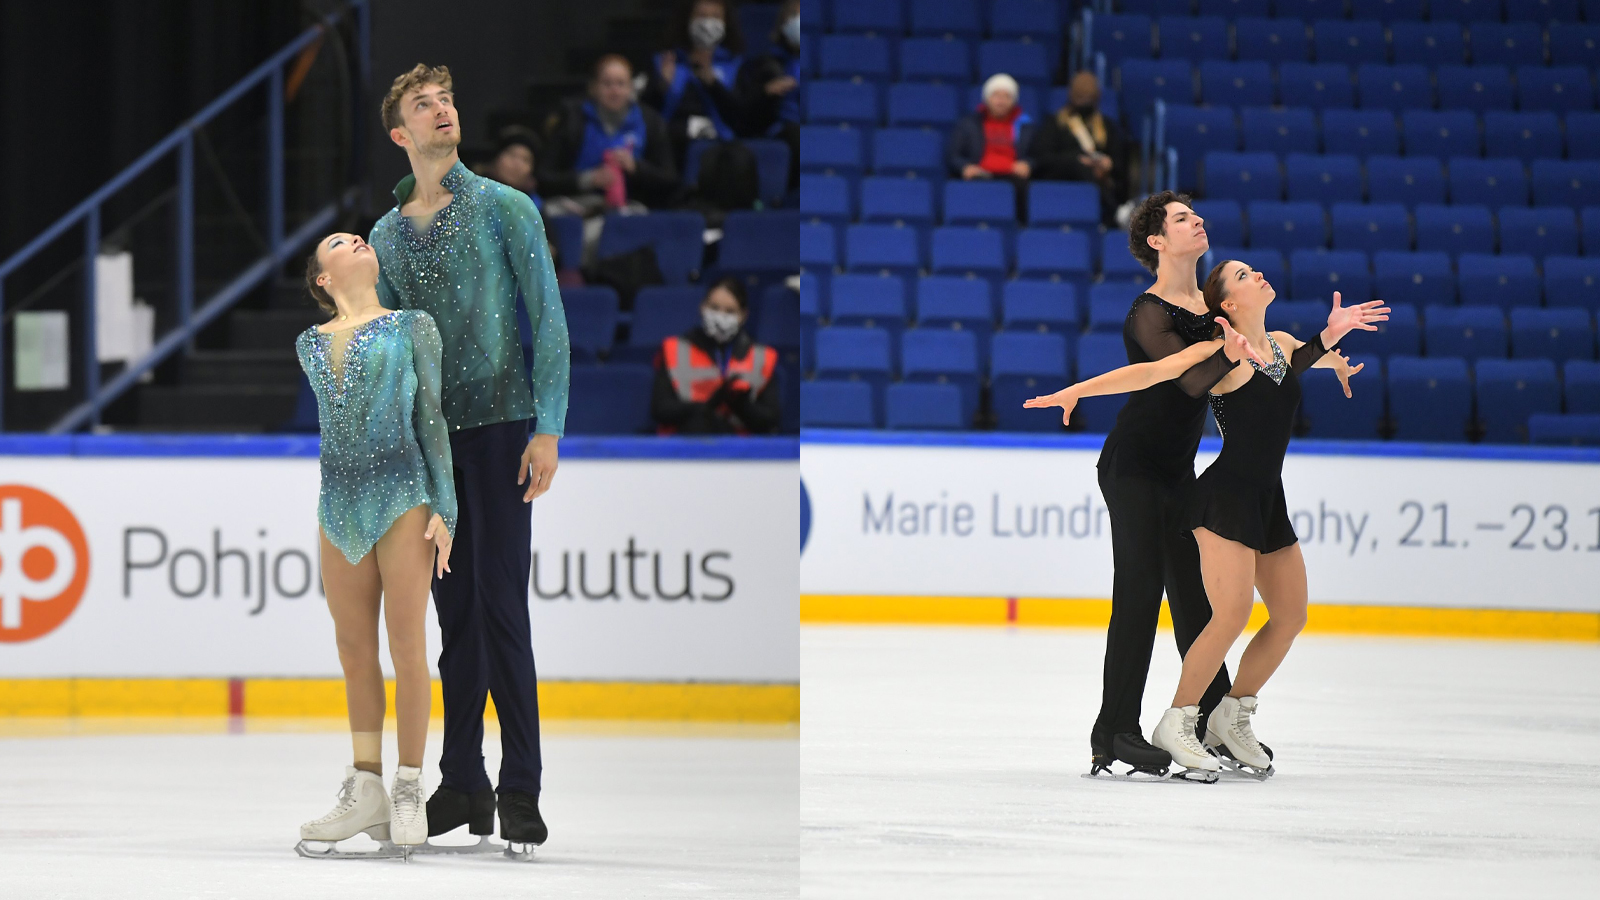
[
  {"x": 938, "y": 18},
  {"x": 1410, "y": 181},
  {"x": 1463, "y": 228},
  {"x": 917, "y": 201}
]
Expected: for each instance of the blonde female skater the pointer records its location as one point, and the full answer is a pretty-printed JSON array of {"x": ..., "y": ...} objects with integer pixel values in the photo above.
[{"x": 387, "y": 510}]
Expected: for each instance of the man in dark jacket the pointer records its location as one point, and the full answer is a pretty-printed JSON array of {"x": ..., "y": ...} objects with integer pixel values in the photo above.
[
  {"x": 610, "y": 135},
  {"x": 994, "y": 141},
  {"x": 1080, "y": 144}
]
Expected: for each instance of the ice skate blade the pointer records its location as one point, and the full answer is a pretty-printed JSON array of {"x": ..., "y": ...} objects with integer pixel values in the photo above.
[
  {"x": 1104, "y": 772},
  {"x": 484, "y": 845},
  {"x": 1195, "y": 776},
  {"x": 521, "y": 851},
  {"x": 1232, "y": 766},
  {"x": 330, "y": 850}
]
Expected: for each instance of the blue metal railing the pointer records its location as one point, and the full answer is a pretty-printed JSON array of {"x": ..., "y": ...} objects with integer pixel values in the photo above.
[{"x": 181, "y": 142}]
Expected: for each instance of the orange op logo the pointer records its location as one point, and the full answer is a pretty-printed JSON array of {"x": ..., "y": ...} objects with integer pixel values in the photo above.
[{"x": 44, "y": 563}]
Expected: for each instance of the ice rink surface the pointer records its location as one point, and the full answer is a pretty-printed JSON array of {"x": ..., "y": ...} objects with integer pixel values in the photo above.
[
  {"x": 634, "y": 811},
  {"x": 947, "y": 762}
]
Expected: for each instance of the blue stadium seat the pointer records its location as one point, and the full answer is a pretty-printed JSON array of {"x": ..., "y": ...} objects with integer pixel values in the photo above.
[
  {"x": 1266, "y": 260},
  {"x": 1224, "y": 83},
  {"x": 1572, "y": 281},
  {"x": 1329, "y": 414},
  {"x": 1301, "y": 318},
  {"x": 1442, "y": 134},
  {"x": 1454, "y": 229},
  {"x": 1401, "y": 334},
  {"x": 1411, "y": 180},
  {"x": 813, "y": 16},
  {"x": 591, "y": 321},
  {"x": 1581, "y": 386},
  {"x": 1360, "y": 132},
  {"x": 882, "y": 249},
  {"x": 853, "y": 56},
  {"x": 1026, "y": 61},
  {"x": 1491, "y": 182},
  {"x": 811, "y": 307},
  {"x": 1192, "y": 37},
  {"x": 1522, "y": 135},
  {"x": 1054, "y": 255},
  {"x": 1477, "y": 88},
  {"x": 1063, "y": 204},
  {"x": 1122, "y": 37},
  {"x": 1287, "y": 227},
  {"x": 1590, "y": 229},
  {"x": 1428, "y": 43},
  {"x": 972, "y": 252},
  {"x": 760, "y": 247},
  {"x": 1040, "y": 19},
  {"x": 1501, "y": 281},
  {"x": 1224, "y": 221},
  {"x": 1318, "y": 273},
  {"x": 825, "y": 198},
  {"x": 914, "y": 104},
  {"x": 1320, "y": 86},
  {"x": 934, "y": 59},
  {"x": 1386, "y": 11},
  {"x": 1108, "y": 310},
  {"x": 1194, "y": 131},
  {"x": 1040, "y": 306},
  {"x": 1560, "y": 334},
  {"x": 658, "y": 313},
  {"x": 1349, "y": 43},
  {"x": 1568, "y": 430},
  {"x": 677, "y": 240},
  {"x": 772, "y": 169},
  {"x": 1116, "y": 261},
  {"x": 856, "y": 354},
  {"x": 1099, "y": 353},
  {"x": 819, "y": 248},
  {"x": 1507, "y": 44},
  {"x": 1267, "y": 130},
  {"x": 1274, "y": 41},
  {"x": 1470, "y": 332},
  {"x": 972, "y": 297},
  {"x": 1511, "y": 390},
  {"x": 953, "y": 18},
  {"x": 1416, "y": 278},
  {"x": 567, "y": 234},
  {"x": 944, "y": 356},
  {"x": 1334, "y": 178},
  {"x": 610, "y": 399},
  {"x": 1144, "y": 81},
  {"x": 897, "y": 201},
  {"x": 836, "y": 404},
  {"x": 1559, "y": 89},
  {"x": 1429, "y": 399},
  {"x": 908, "y": 153},
  {"x": 1026, "y": 365},
  {"x": 842, "y": 103},
  {"x": 778, "y": 318},
  {"x": 1308, "y": 9},
  {"x": 870, "y": 16},
  {"x": 1233, "y": 9},
  {"x": 1583, "y": 135},
  {"x": 1539, "y": 231},
  {"x": 1558, "y": 182},
  {"x": 1242, "y": 176},
  {"x": 924, "y": 407},
  {"x": 1370, "y": 227},
  {"x": 830, "y": 151},
  {"x": 980, "y": 202},
  {"x": 1394, "y": 87},
  {"x": 869, "y": 301},
  {"x": 1464, "y": 10},
  {"x": 1575, "y": 44}
]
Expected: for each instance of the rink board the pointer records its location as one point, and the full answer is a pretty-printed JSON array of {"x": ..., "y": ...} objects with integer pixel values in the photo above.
[
  {"x": 666, "y": 571},
  {"x": 1012, "y": 529}
]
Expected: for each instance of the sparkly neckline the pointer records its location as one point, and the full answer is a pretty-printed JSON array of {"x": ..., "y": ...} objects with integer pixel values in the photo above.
[
  {"x": 1277, "y": 368},
  {"x": 1175, "y": 306},
  {"x": 354, "y": 329}
]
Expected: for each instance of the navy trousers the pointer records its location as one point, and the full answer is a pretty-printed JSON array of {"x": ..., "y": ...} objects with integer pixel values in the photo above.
[{"x": 483, "y": 614}]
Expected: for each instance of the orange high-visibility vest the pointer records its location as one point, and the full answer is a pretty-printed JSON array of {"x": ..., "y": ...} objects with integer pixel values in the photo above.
[{"x": 695, "y": 375}]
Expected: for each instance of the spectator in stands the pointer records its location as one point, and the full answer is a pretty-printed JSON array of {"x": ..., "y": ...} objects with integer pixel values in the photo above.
[
  {"x": 516, "y": 149},
  {"x": 714, "y": 378},
  {"x": 770, "y": 87},
  {"x": 607, "y": 151},
  {"x": 1080, "y": 144},
  {"x": 692, "y": 81},
  {"x": 993, "y": 142}
]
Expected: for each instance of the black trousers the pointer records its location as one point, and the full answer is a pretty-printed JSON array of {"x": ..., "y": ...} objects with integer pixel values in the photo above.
[
  {"x": 483, "y": 614},
  {"x": 1153, "y": 551}
]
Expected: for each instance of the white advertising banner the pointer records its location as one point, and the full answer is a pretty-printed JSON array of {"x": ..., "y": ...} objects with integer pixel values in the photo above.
[
  {"x": 645, "y": 569},
  {"x": 963, "y": 519}
]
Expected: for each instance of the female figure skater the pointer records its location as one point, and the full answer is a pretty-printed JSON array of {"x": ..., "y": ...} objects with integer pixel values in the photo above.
[
  {"x": 387, "y": 511},
  {"x": 1237, "y": 509}
]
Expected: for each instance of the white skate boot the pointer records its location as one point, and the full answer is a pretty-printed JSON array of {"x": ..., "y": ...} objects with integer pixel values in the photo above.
[
  {"x": 1175, "y": 734},
  {"x": 1228, "y": 732},
  {"x": 363, "y": 807},
  {"x": 408, "y": 824}
]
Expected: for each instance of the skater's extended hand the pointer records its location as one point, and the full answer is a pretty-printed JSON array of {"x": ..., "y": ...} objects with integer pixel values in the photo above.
[
  {"x": 1066, "y": 398},
  {"x": 1342, "y": 368},
  {"x": 442, "y": 540},
  {"x": 1344, "y": 319},
  {"x": 539, "y": 460},
  {"x": 1235, "y": 345}
]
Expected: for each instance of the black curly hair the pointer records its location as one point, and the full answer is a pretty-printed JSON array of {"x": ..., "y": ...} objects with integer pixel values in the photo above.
[{"x": 1151, "y": 218}]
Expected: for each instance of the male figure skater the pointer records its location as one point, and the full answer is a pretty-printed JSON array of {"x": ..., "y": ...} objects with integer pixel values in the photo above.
[{"x": 462, "y": 247}]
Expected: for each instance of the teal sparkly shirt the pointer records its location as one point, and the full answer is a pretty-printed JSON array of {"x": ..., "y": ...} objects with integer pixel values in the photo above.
[
  {"x": 465, "y": 271},
  {"x": 385, "y": 448}
]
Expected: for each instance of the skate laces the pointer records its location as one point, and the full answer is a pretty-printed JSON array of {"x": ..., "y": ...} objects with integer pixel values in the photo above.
[
  {"x": 347, "y": 799},
  {"x": 407, "y": 797},
  {"x": 1243, "y": 731},
  {"x": 1187, "y": 737}
]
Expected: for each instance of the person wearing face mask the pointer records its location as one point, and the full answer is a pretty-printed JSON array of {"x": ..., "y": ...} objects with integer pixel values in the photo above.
[
  {"x": 714, "y": 378},
  {"x": 1080, "y": 144},
  {"x": 770, "y": 87},
  {"x": 608, "y": 150},
  {"x": 692, "y": 82}
]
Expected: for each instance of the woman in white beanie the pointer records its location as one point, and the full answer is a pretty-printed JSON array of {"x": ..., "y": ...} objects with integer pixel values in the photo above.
[{"x": 993, "y": 142}]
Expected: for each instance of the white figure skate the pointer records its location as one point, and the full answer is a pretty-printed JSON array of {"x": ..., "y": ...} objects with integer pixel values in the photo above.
[
  {"x": 408, "y": 821},
  {"x": 363, "y": 807},
  {"x": 1234, "y": 743},
  {"x": 1175, "y": 734}
]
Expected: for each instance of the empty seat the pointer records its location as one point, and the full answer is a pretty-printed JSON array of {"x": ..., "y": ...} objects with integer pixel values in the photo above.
[
  {"x": 943, "y": 356},
  {"x": 1232, "y": 9},
  {"x": 1428, "y": 43},
  {"x": 1274, "y": 41},
  {"x": 1581, "y": 386},
  {"x": 1394, "y": 87},
  {"x": 1317, "y": 274},
  {"x": 1242, "y": 176},
  {"x": 1349, "y": 43},
  {"x": 610, "y": 399},
  {"x": 972, "y": 252},
  {"x": 778, "y": 318},
  {"x": 1559, "y": 182},
  {"x": 830, "y": 151},
  {"x": 824, "y": 198},
  {"x": 1454, "y": 229},
  {"x": 869, "y": 302},
  {"x": 819, "y": 248},
  {"x": 836, "y": 404},
  {"x": 1291, "y": 130},
  {"x": 1144, "y": 81},
  {"x": 1470, "y": 332},
  {"x": 1224, "y": 221},
  {"x": 1063, "y": 204},
  {"x": 677, "y": 240},
  {"x": 1572, "y": 281},
  {"x": 1026, "y": 61},
  {"x": 923, "y": 105},
  {"x": 951, "y": 18},
  {"x": 1320, "y": 86},
  {"x": 1501, "y": 281},
  {"x": 1464, "y": 10},
  {"x": 907, "y": 152},
  {"x": 1511, "y": 390},
  {"x": 1565, "y": 430},
  {"x": 1415, "y": 278},
  {"x": 933, "y": 59},
  {"x": 980, "y": 202},
  {"x": 1192, "y": 38},
  {"x": 1287, "y": 227},
  {"x": 658, "y": 313},
  {"x": 1332, "y": 178},
  {"x": 1329, "y": 414},
  {"x": 1583, "y": 135},
  {"x": 1410, "y": 180},
  {"x": 1589, "y": 217},
  {"x": 1108, "y": 309},
  {"x": 1390, "y": 12},
  {"x": 1575, "y": 44},
  {"x": 1360, "y": 132},
  {"x": 921, "y": 407},
  {"x": 591, "y": 320},
  {"x": 1560, "y": 334},
  {"x": 1121, "y": 38},
  {"x": 1475, "y": 88},
  {"x": 853, "y": 56},
  {"x": 871, "y": 16},
  {"x": 1026, "y": 365},
  {"x": 1023, "y": 18},
  {"x": 1266, "y": 260},
  {"x": 1224, "y": 83},
  {"x": 1099, "y": 353},
  {"x": 1116, "y": 260},
  {"x": 1039, "y": 306},
  {"x": 946, "y": 298},
  {"x": 883, "y": 249},
  {"x": 1054, "y": 255},
  {"x": 1559, "y": 89},
  {"x": 855, "y": 354},
  {"x": 1195, "y": 131},
  {"x": 1370, "y": 227},
  {"x": 1491, "y": 182},
  {"x": 1429, "y": 399},
  {"x": 1507, "y": 44},
  {"x": 1401, "y": 334},
  {"x": 1539, "y": 231},
  {"x": 903, "y": 201},
  {"x": 842, "y": 102},
  {"x": 1523, "y": 135},
  {"x": 1443, "y": 133},
  {"x": 1302, "y": 318}
]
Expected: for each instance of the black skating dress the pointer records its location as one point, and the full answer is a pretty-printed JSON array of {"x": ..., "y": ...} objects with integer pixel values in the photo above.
[{"x": 1240, "y": 495}]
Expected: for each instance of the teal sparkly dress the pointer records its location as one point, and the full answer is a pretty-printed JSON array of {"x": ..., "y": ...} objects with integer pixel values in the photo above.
[{"x": 385, "y": 447}]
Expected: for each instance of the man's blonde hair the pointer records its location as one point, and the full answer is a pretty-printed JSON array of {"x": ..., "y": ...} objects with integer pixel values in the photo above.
[{"x": 420, "y": 76}]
